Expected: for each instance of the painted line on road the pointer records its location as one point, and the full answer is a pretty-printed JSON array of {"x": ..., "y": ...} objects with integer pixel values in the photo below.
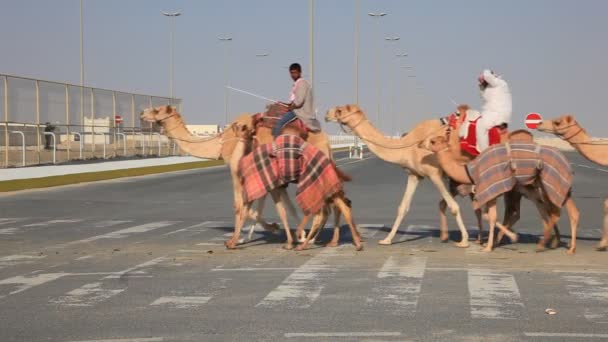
[
  {"x": 19, "y": 259},
  {"x": 398, "y": 285},
  {"x": 592, "y": 167},
  {"x": 578, "y": 335},
  {"x": 593, "y": 292},
  {"x": 109, "y": 223},
  {"x": 146, "y": 264},
  {"x": 302, "y": 287},
  {"x": 181, "y": 302},
  {"x": 494, "y": 295},
  {"x": 88, "y": 295},
  {"x": 123, "y": 233},
  {"x": 84, "y": 257},
  {"x": 51, "y": 222},
  {"x": 143, "y": 339},
  {"x": 345, "y": 334},
  {"x": 254, "y": 269},
  {"x": 22, "y": 283},
  {"x": 202, "y": 224}
]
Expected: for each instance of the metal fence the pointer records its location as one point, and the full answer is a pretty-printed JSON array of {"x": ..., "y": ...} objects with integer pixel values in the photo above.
[{"x": 45, "y": 122}]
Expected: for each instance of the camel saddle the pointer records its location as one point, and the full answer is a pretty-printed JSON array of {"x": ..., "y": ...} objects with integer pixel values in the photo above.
[
  {"x": 469, "y": 143},
  {"x": 271, "y": 116}
]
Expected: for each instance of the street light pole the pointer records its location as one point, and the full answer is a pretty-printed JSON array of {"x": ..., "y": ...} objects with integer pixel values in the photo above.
[
  {"x": 81, "y": 64},
  {"x": 225, "y": 39},
  {"x": 377, "y": 16},
  {"x": 171, "y": 17},
  {"x": 392, "y": 88}
]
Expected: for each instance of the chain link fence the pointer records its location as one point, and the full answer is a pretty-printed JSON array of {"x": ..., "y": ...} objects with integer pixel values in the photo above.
[{"x": 44, "y": 122}]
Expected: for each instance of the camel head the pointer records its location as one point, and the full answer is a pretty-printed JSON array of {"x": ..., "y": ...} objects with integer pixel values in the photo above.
[
  {"x": 559, "y": 126},
  {"x": 437, "y": 144},
  {"x": 242, "y": 130},
  {"x": 158, "y": 114},
  {"x": 344, "y": 114}
]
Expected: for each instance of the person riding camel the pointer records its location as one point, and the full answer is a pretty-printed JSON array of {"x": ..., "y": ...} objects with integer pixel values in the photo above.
[
  {"x": 300, "y": 105},
  {"x": 496, "y": 109}
]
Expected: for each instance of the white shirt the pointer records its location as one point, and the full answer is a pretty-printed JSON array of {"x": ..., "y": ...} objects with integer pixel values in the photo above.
[{"x": 498, "y": 102}]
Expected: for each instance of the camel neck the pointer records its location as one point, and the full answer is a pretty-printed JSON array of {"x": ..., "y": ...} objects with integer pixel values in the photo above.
[
  {"x": 595, "y": 152},
  {"x": 452, "y": 167},
  {"x": 208, "y": 148}
]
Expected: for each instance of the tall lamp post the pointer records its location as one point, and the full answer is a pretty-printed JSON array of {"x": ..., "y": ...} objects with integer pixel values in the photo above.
[
  {"x": 225, "y": 39},
  {"x": 377, "y": 16},
  {"x": 392, "y": 80},
  {"x": 171, "y": 17}
]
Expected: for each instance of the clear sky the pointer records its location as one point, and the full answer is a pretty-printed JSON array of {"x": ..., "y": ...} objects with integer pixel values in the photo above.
[{"x": 552, "y": 52}]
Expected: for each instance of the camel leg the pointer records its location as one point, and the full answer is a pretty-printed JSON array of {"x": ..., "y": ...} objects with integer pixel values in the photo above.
[
  {"x": 336, "y": 236},
  {"x": 239, "y": 221},
  {"x": 491, "y": 224},
  {"x": 317, "y": 222},
  {"x": 573, "y": 215},
  {"x": 348, "y": 217},
  {"x": 300, "y": 233},
  {"x": 454, "y": 208},
  {"x": 277, "y": 198},
  {"x": 552, "y": 216},
  {"x": 404, "y": 207},
  {"x": 256, "y": 215},
  {"x": 604, "y": 241},
  {"x": 512, "y": 201},
  {"x": 443, "y": 221}
]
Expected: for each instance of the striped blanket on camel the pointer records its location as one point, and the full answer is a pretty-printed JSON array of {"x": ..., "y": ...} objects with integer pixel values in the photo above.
[
  {"x": 501, "y": 167},
  {"x": 290, "y": 160}
]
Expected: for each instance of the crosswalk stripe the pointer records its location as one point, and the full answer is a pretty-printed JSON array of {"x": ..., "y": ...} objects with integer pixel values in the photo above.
[
  {"x": 302, "y": 287},
  {"x": 88, "y": 295},
  {"x": 22, "y": 283},
  {"x": 181, "y": 302},
  {"x": 398, "y": 286},
  {"x": 592, "y": 292},
  {"x": 119, "y": 234},
  {"x": 51, "y": 222},
  {"x": 494, "y": 295},
  {"x": 19, "y": 259}
]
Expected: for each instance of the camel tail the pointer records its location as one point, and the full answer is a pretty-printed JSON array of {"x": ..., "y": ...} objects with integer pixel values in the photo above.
[{"x": 344, "y": 177}]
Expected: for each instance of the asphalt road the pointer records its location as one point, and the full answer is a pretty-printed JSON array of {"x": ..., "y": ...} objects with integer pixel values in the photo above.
[{"x": 142, "y": 259}]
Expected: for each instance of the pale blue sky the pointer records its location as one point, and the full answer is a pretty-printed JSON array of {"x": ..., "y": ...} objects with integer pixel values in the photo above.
[{"x": 552, "y": 52}]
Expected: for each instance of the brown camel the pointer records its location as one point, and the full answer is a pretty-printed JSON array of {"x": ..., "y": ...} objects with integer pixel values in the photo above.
[
  {"x": 222, "y": 146},
  {"x": 337, "y": 199},
  {"x": 552, "y": 181},
  {"x": 567, "y": 128},
  {"x": 405, "y": 152},
  {"x": 217, "y": 147}
]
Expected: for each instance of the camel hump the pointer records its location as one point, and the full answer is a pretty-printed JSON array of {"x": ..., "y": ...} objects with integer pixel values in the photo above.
[{"x": 521, "y": 135}]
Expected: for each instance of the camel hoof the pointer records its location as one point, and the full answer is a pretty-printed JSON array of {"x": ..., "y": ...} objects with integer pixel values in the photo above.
[
  {"x": 230, "y": 244},
  {"x": 478, "y": 241},
  {"x": 444, "y": 237},
  {"x": 300, "y": 247},
  {"x": 600, "y": 248},
  {"x": 359, "y": 248},
  {"x": 486, "y": 250},
  {"x": 540, "y": 249},
  {"x": 462, "y": 244},
  {"x": 331, "y": 244},
  {"x": 571, "y": 251},
  {"x": 385, "y": 242},
  {"x": 288, "y": 246}
]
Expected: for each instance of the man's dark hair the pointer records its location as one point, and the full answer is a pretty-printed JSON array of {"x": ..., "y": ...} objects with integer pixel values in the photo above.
[{"x": 295, "y": 66}]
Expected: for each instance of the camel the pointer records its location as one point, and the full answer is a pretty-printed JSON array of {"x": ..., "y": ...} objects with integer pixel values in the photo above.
[
  {"x": 222, "y": 146},
  {"x": 552, "y": 181},
  {"x": 337, "y": 199},
  {"x": 407, "y": 153},
  {"x": 217, "y": 147},
  {"x": 567, "y": 128}
]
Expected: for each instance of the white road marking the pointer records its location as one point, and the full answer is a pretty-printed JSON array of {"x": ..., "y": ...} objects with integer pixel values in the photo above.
[
  {"x": 253, "y": 269},
  {"x": 182, "y": 302},
  {"x": 12, "y": 260},
  {"x": 109, "y": 223},
  {"x": 578, "y": 335},
  {"x": 346, "y": 334},
  {"x": 8, "y": 231},
  {"x": 202, "y": 224},
  {"x": 209, "y": 244},
  {"x": 119, "y": 234},
  {"x": 87, "y": 295},
  {"x": 302, "y": 287},
  {"x": 23, "y": 283},
  {"x": 369, "y": 233},
  {"x": 51, "y": 222},
  {"x": 84, "y": 257},
  {"x": 494, "y": 295},
  {"x": 398, "y": 286},
  {"x": 593, "y": 292},
  {"x": 143, "y": 339},
  {"x": 8, "y": 220},
  {"x": 146, "y": 264}
]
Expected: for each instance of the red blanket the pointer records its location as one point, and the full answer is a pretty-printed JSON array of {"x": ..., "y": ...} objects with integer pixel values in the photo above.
[{"x": 290, "y": 160}]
